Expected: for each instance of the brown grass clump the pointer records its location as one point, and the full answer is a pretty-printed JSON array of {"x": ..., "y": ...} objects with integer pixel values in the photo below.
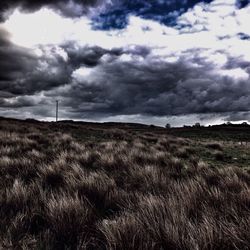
[{"x": 133, "y": 190}]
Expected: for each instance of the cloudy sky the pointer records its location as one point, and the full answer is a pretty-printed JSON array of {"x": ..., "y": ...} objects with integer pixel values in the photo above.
[{"x": 149, "y": 61}]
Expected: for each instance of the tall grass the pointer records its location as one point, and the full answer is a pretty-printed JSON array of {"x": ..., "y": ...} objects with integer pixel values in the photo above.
[{"x": 132, "y": 191}]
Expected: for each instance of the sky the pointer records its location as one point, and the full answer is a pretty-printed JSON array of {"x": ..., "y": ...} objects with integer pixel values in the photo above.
[{"x": 147, "y": 61}]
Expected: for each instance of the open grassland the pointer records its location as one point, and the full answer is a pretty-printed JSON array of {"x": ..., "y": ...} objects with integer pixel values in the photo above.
[
  {"x": 227, "y": 133},
  {"x": 86, "y": 186},
  {"x": 233, "y": 141}
]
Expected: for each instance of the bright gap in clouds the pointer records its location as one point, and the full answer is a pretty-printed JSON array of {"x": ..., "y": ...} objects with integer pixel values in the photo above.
[
  {"x": 42, "y": 27},
  {"x": 47, "y": 27},
  {"x": 82, "y": 73}
]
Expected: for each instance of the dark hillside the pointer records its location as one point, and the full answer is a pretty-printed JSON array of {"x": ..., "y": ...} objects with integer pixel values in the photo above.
[{"x": 75, "y": 185}]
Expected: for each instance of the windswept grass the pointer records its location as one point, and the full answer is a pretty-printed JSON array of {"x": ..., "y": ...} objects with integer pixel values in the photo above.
[{"x": 61, "y": 189}]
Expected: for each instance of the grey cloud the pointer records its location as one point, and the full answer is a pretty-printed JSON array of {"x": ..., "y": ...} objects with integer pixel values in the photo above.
[
  {"x": 88, "y": 56},
  {"x": 69, "y": 8},
  {"x": 22, "y": 101},
  {"x": 22, "y": 72},
  {"x": 149, "y": 87},
  {"x": 238, "y": 62},
  {"x": 91, "y": 55},
  {"x": 153, "y": 88},
  {"x": 14, "y": 61},
  {"x": 239, "y": 116}
]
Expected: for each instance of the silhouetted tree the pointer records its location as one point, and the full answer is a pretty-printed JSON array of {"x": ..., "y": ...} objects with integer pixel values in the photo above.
[{"x": 168, "y": 126}]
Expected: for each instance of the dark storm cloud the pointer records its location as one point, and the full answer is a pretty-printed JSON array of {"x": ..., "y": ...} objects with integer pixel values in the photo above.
[
  {"x": 153, "y": 88},
  {"x": 19, "y": 102},
  {"x": 22, "y": 72},
  {"x": 150, "y": 87},
  {"x": 68, "y": 8},
  {"x": 238, "y": 116},
  {"x": 238, "y": 63},
  {"x": 88, "y": 56},
  {"x": 15, "y": 61}
]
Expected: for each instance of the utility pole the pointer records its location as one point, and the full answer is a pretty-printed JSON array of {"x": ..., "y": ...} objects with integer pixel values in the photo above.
[{"x": 57, "y": 110}]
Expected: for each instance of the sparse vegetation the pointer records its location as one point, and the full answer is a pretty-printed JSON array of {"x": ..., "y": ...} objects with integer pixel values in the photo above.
[{"x": 76, "y": 186}]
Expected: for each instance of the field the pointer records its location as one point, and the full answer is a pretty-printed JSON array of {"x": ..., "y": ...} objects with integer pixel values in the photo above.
[
  {"x": 235, "y": 140},
  {"x": 72, "y": 185}
]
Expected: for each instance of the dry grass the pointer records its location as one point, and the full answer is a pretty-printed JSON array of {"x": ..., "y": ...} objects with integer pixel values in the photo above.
[{"x": 133, "y": 191}]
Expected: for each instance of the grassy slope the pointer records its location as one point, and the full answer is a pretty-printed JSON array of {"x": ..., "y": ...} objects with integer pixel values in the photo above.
[
  {"x": 234, "y": 139},
  {"x": 90, "y": 186}
]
